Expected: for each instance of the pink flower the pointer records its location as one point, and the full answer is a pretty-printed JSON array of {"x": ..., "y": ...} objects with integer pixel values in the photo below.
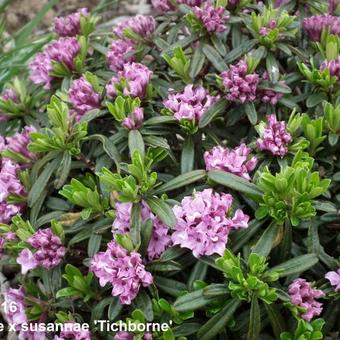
[
  {"x": 83, "y": 97},
  {"x": 316, "y": 24},
  {"x": 9, "y": 184},
  {"x": 69, "y": 26},
  {"x": 274, "y": 137},
  {"x": 163, "y": 5},
  {"x": 125, "y": 271},
  {"x": 49, "y": 251},
  {"x": 160, "y": 238},
  {"x": 333, "y": 66},
  {"x": 17, "y": 315},
  {"x": 71, "y": 332},
  {"x": 240, "y": 85},
  {"x": 191, "y": 103},
  {"x": 303, "y": 295},
  {"x": 137, "y": 77},
  {"x": 213, "y": 19},
  {"x": 190, "y": 3},
  {"x": 19, "y": 142},
  {"x": 62, "y": 51},
  {"x": 135, "y": 119},
  {"x": 267, "y": 95},
  {"x": 143, "y": 25},
  {"x": 6, "y": 95},
  {"x": 203, "y": 222},
  {"x": 334, "y": 279},
  {"x": 27, "y": 260},
  {"x": 122, "y": 51},
  {"x": 236, "y": 161}
]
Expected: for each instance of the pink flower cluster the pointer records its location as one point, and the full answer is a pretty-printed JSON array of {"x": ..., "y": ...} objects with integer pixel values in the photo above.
[
  {"x": 6, "y": 95},
  {"x": 49, "y": 251},
  {"x": 143, "y": 25},
  {"x": 134, "y": 78},
  {"x": 274, "y": 136},
  {"x": 191, "y": 103},
  {"x": 69, "y": 26},
  {"x": 62, "y": 51},
  {"x": 316, "y": 24},
  {"x": 265, "y": 30},
  {"x": 160, "y": 238},
  {"x": 130, "y": 336},
  {"x": 70, "y": 332},
  {"x": 135, "y": 119},
  {"x": 203, "y": 224},
  {"x": 303, "y": 295},
  {"x": 334, "y": 279},
  {"x": 122, "y": 51},
  {"x": 235, "y": 161},
  {"x": 213, "y": 19},
  {"x": 267, "y": 95},
  {"x": 240, "y": 85},
  {"x": 83, "y": 97},
  {"x": 333, "y": 66},
  {"x": 163, "y": 5},
  {"x": 124, "y": 271}
]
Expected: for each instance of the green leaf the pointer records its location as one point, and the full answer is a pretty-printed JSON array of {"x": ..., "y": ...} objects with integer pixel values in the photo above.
[
  {"x": 294, "y": 266},
  {"x": 315, "y": 99},
  {"x": 114, "y": 309},
  {"x": 136, "y": 224},
  {"x": 265, "y": 243},
  {"x": 276, "y": 319},
  {"x": 254, "y": 320},
  {"x": 188, "y": 155},
  {"x": 143, "y": 302},
  {"x": 42, "y": 181},
  {"x": 63, "y": 170},
  {"x": 181, "y": 181},
  {"x": 234, "y": 182},
  {"x": 240, "y": 50},
  {"x": 146, "y": 234},
  {"x": 211, "y": 328},
  {"x": 170, "y": 286},
  {"x": 212, "y": 112},
  {"x": 197, "y": 63},
  {"x": 162, "y": 210},
  {"x": 94, "y": 244},
  {"x": 251, "y": 113},
  {"x": 136, "y": 142},
  {"x": 215, "y": 58},
  {"x": 272, "y": 68}
]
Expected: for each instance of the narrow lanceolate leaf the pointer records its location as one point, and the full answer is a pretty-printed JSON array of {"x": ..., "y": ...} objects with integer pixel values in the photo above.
[
  {"x": 265, "y": 243},
  {"x": 162, "y": 210},
  {"x": 42, "y": 181},
  {"x": 188, "y": 155},
  {"x": 254, "y": 320},
  {"x": 215, "y": 58},
  {"x": 136, "y": 142},
  {"x": 272, "y": 68},
  {"x": 181, "y": 181},
  {"x": 136, "y": 223},
  {"x": 197, "y": 63},
  {"x": 251, "y": 113},
  {"x": 234, "y": 182},
  {"x": 210, "y": 114},
  {"x": 294, "y": 266},
  {"x": 211, "y": 328},
  {"x": 276, "y": 319},
  {"x": 63, "y": 170}
]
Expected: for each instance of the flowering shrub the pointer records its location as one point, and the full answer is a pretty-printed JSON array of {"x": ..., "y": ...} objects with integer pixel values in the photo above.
[{"x": 180, "y": 169}]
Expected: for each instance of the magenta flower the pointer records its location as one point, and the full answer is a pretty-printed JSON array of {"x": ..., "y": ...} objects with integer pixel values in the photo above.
[
  {"x": 71, "y": 332},
  {"x": 333, "y": 66},
  {"x": 62, "y": 51},
  {"x": 19, "y": 142},
  {"x": 125, "y": 271},
  {"x": 240, "y": 85},
  {"x": 143, "y": 25},
  {"x": 9, "y": 184},
  {"x": 83, "y": 97},
  {"x": 303, "y": 295},
  {"x": 213, "y": 19},
  {"x": 334, "y": 279},
  {"x": 236, "y": 161},
  {"x": 191, "y": 3},
  {"x": 204, "y": 221},
  {"x": 135, "y": 119},
  {"x": 134, "y": 78},
  {"x": 15, "y": 316},
  {"x": 49, "y": 251},
  {"x": 267, "y": 95},
  {"x": 316, "y": 24},
  {"x": 191, "y": 103},
  {"x": 122, "y": 51},
  {"x": 274, "y": 136},
  {"x": 160, "y": 238},
  {"x": 163, "y": 5},
  {"x": 69, "y": 26}
]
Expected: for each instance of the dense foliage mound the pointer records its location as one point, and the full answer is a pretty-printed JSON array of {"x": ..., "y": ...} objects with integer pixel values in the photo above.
[{"x": 180, "y": 169}]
